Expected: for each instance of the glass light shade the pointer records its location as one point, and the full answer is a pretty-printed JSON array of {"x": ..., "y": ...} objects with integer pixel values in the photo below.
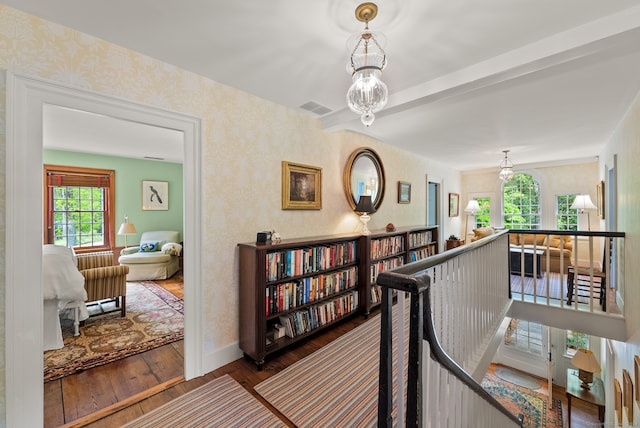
[
  {"x": 367, "y": 95},
  {"x": 506, "y": 174}
]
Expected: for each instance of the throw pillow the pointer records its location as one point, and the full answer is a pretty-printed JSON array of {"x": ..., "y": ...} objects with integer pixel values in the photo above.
[
  {"x": 149, "y": 247},
  {"x": 483, "y": 232}
]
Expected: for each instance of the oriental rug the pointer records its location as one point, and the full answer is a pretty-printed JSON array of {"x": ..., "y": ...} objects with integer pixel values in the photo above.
[
  {"x": 154, "y": 318},
  {"x": 524, "y": 401},
  {"x": 223, "y": 402}
]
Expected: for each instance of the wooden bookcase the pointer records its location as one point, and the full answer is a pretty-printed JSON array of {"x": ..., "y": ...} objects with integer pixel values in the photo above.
[
  {"x": 382, "y": 251},
  {"x": 302, "y": 285},
  {"x": 306, "y": 285}
]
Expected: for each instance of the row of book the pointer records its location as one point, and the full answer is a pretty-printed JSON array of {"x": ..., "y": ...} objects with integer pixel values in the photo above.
[
  {"x": 384, "y": 265},
  {"x": 290, "y": 295},
  {"x": 384, "y": 247},
  {"x": 418, "y": 239},
  {"x": 422, "y": 253},
  {"x": 376, "y": 294},
  {"x": 302, "y": 261},
  {"x": 306, "y": 320}
]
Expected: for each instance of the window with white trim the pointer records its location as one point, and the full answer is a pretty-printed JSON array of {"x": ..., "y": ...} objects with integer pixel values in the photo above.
[
  {"x": 483, "y": 217},
  {"x": 521, "y": 207},
  {"x": 566, "y": 217}
]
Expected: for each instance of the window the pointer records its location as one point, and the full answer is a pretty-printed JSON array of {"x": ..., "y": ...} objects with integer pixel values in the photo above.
[
  {"x": 566, "y": 218},
  {"x": 483, "y": 217},
  {"x": 77, "y": 207},
  {"x": 524, "y": 336},
  {"x": 521, "y": 196},
  {"x": 575, "y": 341}
]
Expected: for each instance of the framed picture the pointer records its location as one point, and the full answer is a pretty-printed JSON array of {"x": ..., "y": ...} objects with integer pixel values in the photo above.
[
  {"x": 627, "y": 388},
  {"x": 155, "y": 195},
  {"x": 301, "y": 187},
  {"x": 454, "y": 204},
  {"x": 617, "y": 391},
  {"x": 636, "y": 369},
  {"x": 404, "y": 192},
  {"x": 600, "y": 199}
]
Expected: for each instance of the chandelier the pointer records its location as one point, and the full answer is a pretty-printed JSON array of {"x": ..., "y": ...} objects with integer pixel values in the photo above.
[
  {"x": 367, "y": 94},
  {"x": 506, "y": 168}
]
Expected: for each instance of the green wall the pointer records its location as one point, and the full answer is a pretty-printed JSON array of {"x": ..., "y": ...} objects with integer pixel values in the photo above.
[{"x": 129, "y": 176}]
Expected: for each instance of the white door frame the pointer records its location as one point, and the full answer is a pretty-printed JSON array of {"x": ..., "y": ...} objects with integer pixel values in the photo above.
[{"x": 23, "y": 289}]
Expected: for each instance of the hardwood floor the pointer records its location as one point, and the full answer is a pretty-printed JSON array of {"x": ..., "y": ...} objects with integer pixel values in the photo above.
[{"x": 67, "y": 399}]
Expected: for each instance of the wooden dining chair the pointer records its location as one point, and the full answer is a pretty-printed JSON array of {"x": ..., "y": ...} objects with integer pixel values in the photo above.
[{"x": 580, "y": 283}]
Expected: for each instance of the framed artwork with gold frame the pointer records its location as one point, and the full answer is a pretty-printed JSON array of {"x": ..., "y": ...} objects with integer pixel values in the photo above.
[
  {"x": 627, "y": 388},
  {"x": 454, "y": 204},
  {"x": 301, "y": 187},
  {"x": 600, "y": 199}
]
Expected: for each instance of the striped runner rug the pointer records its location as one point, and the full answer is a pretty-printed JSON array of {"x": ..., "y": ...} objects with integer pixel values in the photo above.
[
  {"x": 336, "y": 386},
  {"x": 223, "y": 402}
]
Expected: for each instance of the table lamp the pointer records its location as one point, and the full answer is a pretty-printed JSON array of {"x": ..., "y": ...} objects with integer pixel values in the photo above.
[
  {"x": 365, "y": 207},
  {"x": 587, "y": 365}
]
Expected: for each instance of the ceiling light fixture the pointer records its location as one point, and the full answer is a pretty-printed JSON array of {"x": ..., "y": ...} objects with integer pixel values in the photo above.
[
  {"x": 368, "y": 94},
  {"x": 506, "y": 168}
]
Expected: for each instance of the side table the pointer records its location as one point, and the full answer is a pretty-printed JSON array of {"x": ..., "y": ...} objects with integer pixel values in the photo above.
[
  {"x": 453, "y": 243},
  {"x": 595, "y": 395}
]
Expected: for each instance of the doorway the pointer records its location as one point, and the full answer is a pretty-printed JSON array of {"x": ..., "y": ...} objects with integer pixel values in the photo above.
[{"x": 26, "y": 97}]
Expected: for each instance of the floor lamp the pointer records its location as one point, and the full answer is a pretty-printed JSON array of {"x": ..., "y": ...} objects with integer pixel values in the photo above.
[
  {"x": 583, "y": 203},
  {"x": 127, "y": 228},
  {"x": 472, "y": 208}
]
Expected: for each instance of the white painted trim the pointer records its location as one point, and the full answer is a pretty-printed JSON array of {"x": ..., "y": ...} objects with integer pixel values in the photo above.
[
  {"x": 222, "y": 356},
  {"x": 24, "y": 342}
]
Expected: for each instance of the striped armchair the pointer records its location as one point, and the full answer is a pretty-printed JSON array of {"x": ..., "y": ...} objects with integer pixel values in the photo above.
[{"x": 102, "y": 279}]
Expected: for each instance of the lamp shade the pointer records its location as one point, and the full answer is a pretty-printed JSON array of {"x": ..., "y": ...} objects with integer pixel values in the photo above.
[
  {"x": 472, "y": 206},
  {"x": 364, "y": 205},
  {"x": 585, "y": 360},
  {"x": 127, "y": 229},
  {"x": 583, "y": 202}
]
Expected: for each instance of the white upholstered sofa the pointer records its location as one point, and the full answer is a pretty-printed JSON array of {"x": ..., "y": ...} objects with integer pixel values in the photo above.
[{"x": 155, "y": 258}]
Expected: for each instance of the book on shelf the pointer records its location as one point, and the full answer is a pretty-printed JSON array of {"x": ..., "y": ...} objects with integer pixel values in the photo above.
[
  {"x": 385, "y": 247},
  {"x": 419, "y": 239}
]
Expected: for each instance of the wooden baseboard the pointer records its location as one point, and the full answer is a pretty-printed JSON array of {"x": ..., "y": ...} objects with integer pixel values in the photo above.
[{"x": 102, "y": 413}]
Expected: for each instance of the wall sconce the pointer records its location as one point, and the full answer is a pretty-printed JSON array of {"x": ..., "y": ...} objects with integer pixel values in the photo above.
[{"x": 364, "y": 208}]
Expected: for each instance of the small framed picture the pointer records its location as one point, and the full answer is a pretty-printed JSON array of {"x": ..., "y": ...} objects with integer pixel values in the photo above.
[
  {"x": 600, "y": 199},
  {"x": 155, "y": 195},
  {"x": 301, "y": 187},
  {"x": 404, "y": 192},
  {"x": 454, "y": 204}
]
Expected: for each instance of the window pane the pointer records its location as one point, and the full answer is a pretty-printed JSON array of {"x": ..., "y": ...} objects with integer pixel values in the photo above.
[
  {"x": 483, "y": 217},
  {"x": 524, "y": 336},
  {"x": 566, "y": 218},
  {"x": 78, "y": 217},
  {"x": 575, "y": 341},
  {"x": 521, "y": 203}
]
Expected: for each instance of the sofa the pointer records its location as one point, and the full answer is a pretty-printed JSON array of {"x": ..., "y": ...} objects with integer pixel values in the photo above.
[
  {"x": 157, "y": 256},
  {"x": 549, "y": 244}
]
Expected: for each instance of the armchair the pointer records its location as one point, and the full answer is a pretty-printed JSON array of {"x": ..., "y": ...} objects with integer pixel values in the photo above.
[
  {"x": 103, "y": 280},
  {"x": 155, "y": 258}
]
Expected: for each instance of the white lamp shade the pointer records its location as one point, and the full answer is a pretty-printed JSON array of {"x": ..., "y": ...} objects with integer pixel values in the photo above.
[
  {"x": 583, "y": 202},
  {"x": 127, "y": 229},
  {"x": 472, "y": 206},
  {"x": 585, "y": 360}
]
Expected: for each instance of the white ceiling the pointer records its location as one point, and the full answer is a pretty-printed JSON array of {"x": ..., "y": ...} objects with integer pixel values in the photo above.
[{"x": 547, "y": 79}]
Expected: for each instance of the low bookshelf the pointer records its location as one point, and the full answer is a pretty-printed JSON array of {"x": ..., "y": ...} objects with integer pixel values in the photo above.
[
  {"x": 384, "y": 250},
  {"x": 295, "y": 288}
]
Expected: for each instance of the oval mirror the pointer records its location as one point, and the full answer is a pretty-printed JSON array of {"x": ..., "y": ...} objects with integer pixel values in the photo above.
[{"x": 364, "y": 175}]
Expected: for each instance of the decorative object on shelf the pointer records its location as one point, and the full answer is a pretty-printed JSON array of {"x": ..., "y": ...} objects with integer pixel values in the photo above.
[
  {"x": 364, "y": 175},
  {"x": 301, "y": 187},
  {"x": 155, "y": 195},
  {"x": 263, "y": 237},
  {"x": 600, "y": 199},
  {"x": 364, "y": 208},
  {"x": 587, "y": 365},
  {"x": 506, "y": 168},
  {"x": 583, "y": 203},
  {"x": 453, "y": 238},
  {"x": 627, "y": 389},
  {"x": 390, "y": 227},
  {"x": 404, "y": 192},
  {"x": 454, "y": 204},
  {"x": 127, "y": 228},
  {"x": 368, "y": 94},
  {"x": 275, "y": 236}
]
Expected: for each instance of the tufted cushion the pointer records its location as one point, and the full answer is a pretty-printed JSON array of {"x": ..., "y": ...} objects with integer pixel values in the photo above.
[
  {"x": 554, "y": 241},
  {"x": 539, "y": 239}
]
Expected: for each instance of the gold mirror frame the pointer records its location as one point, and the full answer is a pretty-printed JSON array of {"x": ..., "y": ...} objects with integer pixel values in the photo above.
[{"x": 364, "y": 161}]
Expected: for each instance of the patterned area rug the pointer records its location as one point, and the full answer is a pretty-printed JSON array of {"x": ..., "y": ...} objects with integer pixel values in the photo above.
[
  {"x": 219, "y": 403},
  {"x": 523, "y": 401},
  {"x": 154, "y": 318}
]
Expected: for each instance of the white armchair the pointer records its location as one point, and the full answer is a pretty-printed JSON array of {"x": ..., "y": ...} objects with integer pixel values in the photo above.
[{"x": 155, "y": 258}]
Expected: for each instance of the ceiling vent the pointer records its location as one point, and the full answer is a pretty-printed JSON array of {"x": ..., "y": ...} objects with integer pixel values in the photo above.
[{"x": 315, "y": 108}]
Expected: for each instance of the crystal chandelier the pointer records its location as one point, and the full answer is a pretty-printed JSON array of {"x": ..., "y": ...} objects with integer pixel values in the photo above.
[
  {"x": 506, "y": 168},
  {"x": 368, "y": 94}
]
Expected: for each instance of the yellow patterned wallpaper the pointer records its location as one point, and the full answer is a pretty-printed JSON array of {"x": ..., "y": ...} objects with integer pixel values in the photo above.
[{"x": 244, "y": 140}]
